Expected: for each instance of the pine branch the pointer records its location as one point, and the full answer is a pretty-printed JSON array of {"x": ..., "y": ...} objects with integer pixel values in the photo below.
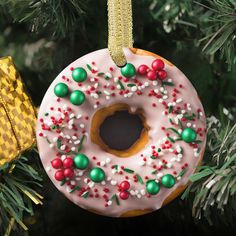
[
  {"x": 17, "y": 182},
  {"x": 213, "y": 187},
  {"x": 56, "y": 16}
]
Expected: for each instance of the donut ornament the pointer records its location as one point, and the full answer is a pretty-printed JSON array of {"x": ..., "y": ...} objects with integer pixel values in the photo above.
[{"x": 155, "y": 169}]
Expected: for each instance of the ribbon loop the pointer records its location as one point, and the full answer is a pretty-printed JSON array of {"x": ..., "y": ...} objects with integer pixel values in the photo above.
[{"x": 120, "y": 29}]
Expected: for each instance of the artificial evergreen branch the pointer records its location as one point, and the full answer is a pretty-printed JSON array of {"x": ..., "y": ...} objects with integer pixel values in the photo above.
[
  {"x": 17, "y": 182},
  {"x": 213, "y": 187},
  {"x": 56, "y": 16}
]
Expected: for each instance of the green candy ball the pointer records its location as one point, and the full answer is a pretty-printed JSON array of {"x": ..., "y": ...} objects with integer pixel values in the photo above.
[
  {"x": 77, "y": 97},
  {"x": 79, "y": 74},
  {"x": 168, "y": 181},
  {"x": 152, "y": 187},
  {"x": 97, "y": 175},
  {"x": 128, "y": 70},
  {"x": 81, "y": 161},
  {"x": 61, "y": 90},
  {"x": 189, "y": 135}
]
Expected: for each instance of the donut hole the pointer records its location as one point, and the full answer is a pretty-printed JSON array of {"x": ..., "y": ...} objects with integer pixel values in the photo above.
[
  {"x": 117, "y": 130},
  {"x": 121, "y": 130}
]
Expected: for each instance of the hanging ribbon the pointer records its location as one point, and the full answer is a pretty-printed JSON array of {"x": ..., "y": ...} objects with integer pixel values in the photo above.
[{"x": 120, "y": 29}]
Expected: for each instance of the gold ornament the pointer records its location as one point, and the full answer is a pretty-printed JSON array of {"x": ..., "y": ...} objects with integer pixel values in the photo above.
[
  {"x": 17, "y": 114},
  {"x": 120, "y": 29}
]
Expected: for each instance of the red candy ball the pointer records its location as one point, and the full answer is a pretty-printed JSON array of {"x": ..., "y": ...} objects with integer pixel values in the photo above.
[
  {"x": 56, "y": 163},
  {"x": 124, "y": 185},
  {"x": 152, "y": 75},
  {"x": 158, "y": 64},
  {"x": 69, "y": 173},
  {"x": 68, "y": 162},
  {"x": 124, "y": 195},
  {"x": 162, "y": 74},
  {"x": 59, "y": 175},
  {"x": 142, "y": 70}
]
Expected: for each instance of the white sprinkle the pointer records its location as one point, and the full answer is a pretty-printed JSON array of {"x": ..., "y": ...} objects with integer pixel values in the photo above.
[
  {"x": 165, "y": 97},
  {"x": 139, "y": 195},
  {"x": 113, "y": 171},
  {"x": 132, "y": 192},
  {"x": 156, "y": 90},
  {"x": 194, "y": 125},
  {"x": 159, "y": 175},
  {"x": 51, "y": 145},
  {"x": 146, "y": 84},
  {"x": 134, "y": 88},
  {"x": 160, "y": 100},
  {"x": 48, "y": 168},
  {"x": 108, "y": 160},
  {"x": 77, "y": 142},
  {"x": 113, "y": 182},
  {"x": 103, "y": 182},
  {"x": 179, "y": 100},
  {"x": 155, "y": 83},
  {"x": 80, "y": 173},
  {"x": 162, "y": 89},
  {"x": 63, "y": 147},
  {"x": 74, "y": 137},
  {"x": 141, "y": 163},
  {"x": 109, "y": 203},
  {"x": 95, "y": 85},
  {"x": 143, "y": 192},
  {"x": 79, "y": 116},
  {"x": 71, "y": 122},
  {"x": 149, "y": 162},
  {"x": 169, "y": 80},
  {"x": 103, "y": 163},
  {"x": 82, "y": 126},
  {"x": 116, "y": 79},
  {"x": 178, "y": 178},
  {"x": 179, "y": 155},
  {"x": 108, "y": 97},
  {"x": 72, "y": 182},
  {"x": 86, "y": 180},
  {"x": 108, "y": 74},
  {"x": 136, "y": 192},
  {"x": 118, "y": 86},
  {"x": 106, "y": 92},
  {"x": 169, "y": 165},
  {"x": 95, "y": 106},
  {"x": 109, "y": 178},
  {"x": 189, "y": 124},
  {"x": 173, "y": 159},
  {"x": 68, "y": 189}
]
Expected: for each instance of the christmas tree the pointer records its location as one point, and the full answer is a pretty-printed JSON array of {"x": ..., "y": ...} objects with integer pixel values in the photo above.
[{"x": 44, "y": 36}]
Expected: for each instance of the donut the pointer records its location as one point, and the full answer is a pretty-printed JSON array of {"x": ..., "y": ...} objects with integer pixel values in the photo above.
[{"x": 147, "y": 175}]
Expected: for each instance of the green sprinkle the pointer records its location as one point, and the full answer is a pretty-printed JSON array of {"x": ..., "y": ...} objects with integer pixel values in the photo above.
[
  {"x": 140, "y": 180},
  {"x": 48, "y": 141},
  {"x": 170, "y": 120},
  {"x": 170, "y": 109},
  {"x": 81, "y": 143},
  {"x": 85, "y": 194},
  {"x": 101, "y": 74},
  {"x": 168, "y": 83},
  {"x": 46, "y": 114},
  {"x": 154, "y": 172},
  {"x": 171, "y": 139},
  {"x": 58, "y": 143},
  {"x": 116, "y": 167},
  {"x": 159, "y": 150},
  {"x": 121, "y": 85},
  {"x": 131, "y": 85},
  {"x": 63, "y": 182},
  {"x": 128, "y": 170},
  {"x": 182, "y": 172},
  {"x": 180, "y": 124},
  {"x": 197, "y": 141},
  {"x": 76, "y": 188},
  {"x": 153, "y": 157},
  {"x": 117, "y": 200},
  {"x": 174, "y": 130},
  {"x": 189, "y": 117},
  {"x": 89, "y": 67},
  {"x": 99, "y": 92}
]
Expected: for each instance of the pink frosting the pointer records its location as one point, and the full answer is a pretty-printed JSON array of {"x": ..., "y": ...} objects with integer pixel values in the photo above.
[{"x": 186, "y": 98}]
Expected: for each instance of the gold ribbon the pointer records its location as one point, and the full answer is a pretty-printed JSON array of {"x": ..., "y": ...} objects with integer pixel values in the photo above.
[
  {"x": 120, "y": 29},
  {"x": 17, "y": 114}
]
